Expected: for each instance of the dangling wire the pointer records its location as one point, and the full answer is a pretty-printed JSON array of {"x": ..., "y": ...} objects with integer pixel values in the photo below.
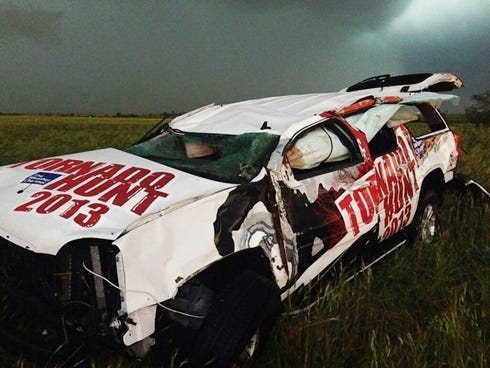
[{"x": 140, "y": 292}]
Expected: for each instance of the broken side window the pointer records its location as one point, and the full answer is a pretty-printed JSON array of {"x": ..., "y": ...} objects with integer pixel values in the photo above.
[
  {"x": 325, "y": 148},
  {"x": 383, "y": 142}
]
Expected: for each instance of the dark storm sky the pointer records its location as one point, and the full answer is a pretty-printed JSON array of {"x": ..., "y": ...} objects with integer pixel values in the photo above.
[{"x": 138, "y": 56}]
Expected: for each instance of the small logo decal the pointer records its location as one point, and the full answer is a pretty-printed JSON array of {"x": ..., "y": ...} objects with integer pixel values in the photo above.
[
  {"x": 41, "y": 178},
  {"x": 418, "y": 146}
]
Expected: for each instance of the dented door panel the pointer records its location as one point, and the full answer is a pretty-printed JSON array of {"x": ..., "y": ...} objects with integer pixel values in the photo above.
[{"x": 248, "y": 218}]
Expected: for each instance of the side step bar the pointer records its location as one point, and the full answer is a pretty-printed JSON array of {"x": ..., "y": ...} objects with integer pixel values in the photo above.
[{"x": 395, "y": 247}]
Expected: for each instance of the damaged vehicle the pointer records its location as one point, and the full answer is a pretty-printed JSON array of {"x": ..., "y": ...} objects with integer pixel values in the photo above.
[{"x": 193, "y": 235}]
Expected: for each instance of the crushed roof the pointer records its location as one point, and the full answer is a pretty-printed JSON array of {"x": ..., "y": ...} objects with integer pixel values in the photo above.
[{"x": 281, "y": 112}]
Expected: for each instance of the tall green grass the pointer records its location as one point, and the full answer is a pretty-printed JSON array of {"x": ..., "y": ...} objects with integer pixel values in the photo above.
[{"x": 426, "y": 305}]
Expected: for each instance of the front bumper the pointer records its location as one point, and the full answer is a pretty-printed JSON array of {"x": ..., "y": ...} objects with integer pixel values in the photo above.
[{"x": 51, "y": 301}]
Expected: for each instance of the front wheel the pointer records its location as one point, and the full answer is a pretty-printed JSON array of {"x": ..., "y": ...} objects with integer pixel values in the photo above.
[{"x": 235, "y": 322}]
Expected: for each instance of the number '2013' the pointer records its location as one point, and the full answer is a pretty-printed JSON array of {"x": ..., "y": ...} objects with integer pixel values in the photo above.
[{"x": 82, "y": 212}]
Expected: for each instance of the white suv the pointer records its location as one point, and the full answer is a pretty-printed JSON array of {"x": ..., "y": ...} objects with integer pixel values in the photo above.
[{"x": 194, "y": 234}]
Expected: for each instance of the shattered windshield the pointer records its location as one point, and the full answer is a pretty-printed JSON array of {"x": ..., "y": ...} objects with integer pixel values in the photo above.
[{"x": 222, "y": 157}]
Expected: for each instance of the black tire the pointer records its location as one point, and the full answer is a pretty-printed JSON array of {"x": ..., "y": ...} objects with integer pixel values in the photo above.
[
  {"x": 239, "y": 311},
  {"x": 424, "y": 226}
]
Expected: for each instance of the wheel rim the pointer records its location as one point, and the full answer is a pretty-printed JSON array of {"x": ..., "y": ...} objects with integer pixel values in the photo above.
[
  {"x": 249, "y": 350},
  {"x": 428, "y": 224},
  {"x": 252, "y": 345}
]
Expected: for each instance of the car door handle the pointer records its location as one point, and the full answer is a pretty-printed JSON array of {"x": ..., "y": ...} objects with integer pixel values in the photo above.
[{"x": 360, "y": 185}]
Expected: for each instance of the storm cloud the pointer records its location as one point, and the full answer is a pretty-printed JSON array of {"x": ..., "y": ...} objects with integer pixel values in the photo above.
[
  {"x": 358, "y": 14},
  {"x": 32, "y": 22},
  {"x": 151, "y": 56}
]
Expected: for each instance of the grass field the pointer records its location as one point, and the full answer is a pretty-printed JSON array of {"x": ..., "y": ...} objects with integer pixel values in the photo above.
[{"x": 425, "y": 306}]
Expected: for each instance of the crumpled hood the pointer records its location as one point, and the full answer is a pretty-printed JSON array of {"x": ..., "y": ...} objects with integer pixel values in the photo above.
[{"x": 97, "y": 194}]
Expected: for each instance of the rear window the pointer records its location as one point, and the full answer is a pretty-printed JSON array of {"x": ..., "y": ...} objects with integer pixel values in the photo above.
[{"x": 429, "y": 121}]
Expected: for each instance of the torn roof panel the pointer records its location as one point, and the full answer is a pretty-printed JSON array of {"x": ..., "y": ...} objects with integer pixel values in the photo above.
[
  {"x": 433, "y": 98},
  {"x": 372, "y": 120}
]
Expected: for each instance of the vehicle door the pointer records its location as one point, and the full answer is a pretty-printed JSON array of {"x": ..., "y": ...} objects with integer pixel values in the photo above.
[
  {"x": 328, "y": 190},
  {"x": 394, "y": 164}
]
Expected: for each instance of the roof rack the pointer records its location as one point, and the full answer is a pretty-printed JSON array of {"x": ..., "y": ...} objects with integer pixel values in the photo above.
[{"x": 386, "y": 80}]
